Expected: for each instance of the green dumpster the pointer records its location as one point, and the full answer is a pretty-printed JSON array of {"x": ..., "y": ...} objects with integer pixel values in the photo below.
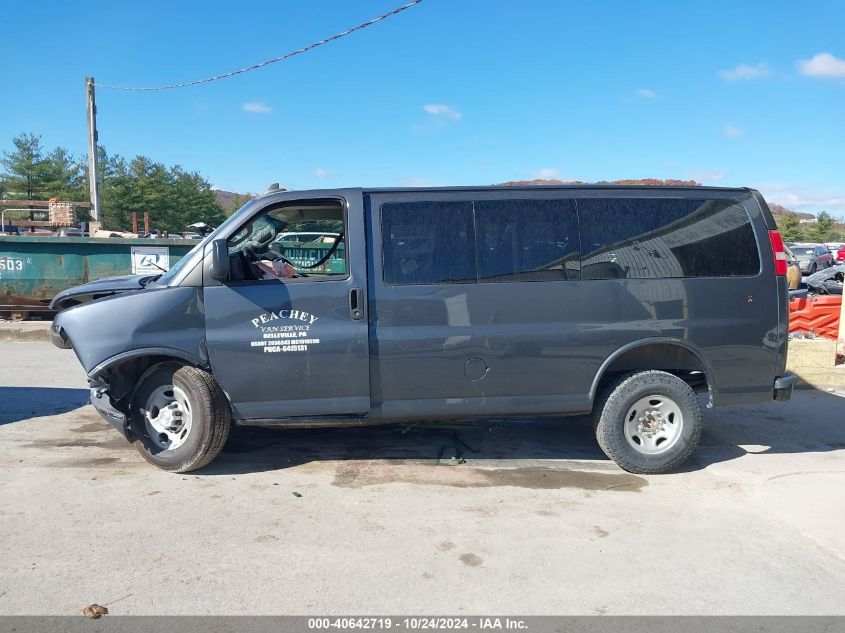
[
  {"x": 34, "y": 269},
  {"x": 304, "y": 254}
]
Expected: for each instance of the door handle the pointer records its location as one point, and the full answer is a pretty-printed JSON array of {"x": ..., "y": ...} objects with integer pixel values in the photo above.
[{"x": 356, "y": 303}]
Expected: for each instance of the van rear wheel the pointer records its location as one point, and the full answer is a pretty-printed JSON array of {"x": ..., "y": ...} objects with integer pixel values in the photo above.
[
  {"x": 180, "y": 417},
  {"x": 648, "y": 422}
]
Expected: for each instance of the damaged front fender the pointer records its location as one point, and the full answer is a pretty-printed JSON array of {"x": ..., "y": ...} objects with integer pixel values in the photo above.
[
  {"x": 116, "y": 338},
  {"x": 168, "y": 320}
]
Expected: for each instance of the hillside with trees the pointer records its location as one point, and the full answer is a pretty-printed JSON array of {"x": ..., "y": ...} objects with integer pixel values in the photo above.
[
  {"x": 654, "y": 182},
  {"x": 232, "y": 201},
  {"x": 824, "y": 229}
]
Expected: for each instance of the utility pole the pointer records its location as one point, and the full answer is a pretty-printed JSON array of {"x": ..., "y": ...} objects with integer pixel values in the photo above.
[{"x": 93, "y": 174}]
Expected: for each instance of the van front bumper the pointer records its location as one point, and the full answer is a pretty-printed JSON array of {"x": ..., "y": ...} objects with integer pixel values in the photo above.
[
  {"x": 782, "y": 390},
  {"x": 102, "y": 403},
  {"x": 58, "y": 337}
]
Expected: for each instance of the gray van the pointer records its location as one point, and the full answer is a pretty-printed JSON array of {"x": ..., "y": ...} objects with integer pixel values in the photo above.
[{"x": 637, "y": 305}]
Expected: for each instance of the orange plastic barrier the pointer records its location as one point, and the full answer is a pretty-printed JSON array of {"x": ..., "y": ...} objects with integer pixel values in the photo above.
[{"x": 818, "y": 314}]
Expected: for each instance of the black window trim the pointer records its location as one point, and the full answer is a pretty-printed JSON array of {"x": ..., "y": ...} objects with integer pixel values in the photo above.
[{"x": 344, "y": 205}]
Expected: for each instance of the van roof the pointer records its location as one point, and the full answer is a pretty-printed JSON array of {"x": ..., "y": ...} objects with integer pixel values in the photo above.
[
  {"x": 556, "y": 186},
  {"x": 597, "y": 186}
]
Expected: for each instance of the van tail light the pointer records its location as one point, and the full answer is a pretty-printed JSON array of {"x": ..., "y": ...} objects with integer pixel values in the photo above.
[
  {"x": 778, "y": 252},
  {"x": 840, "y": 254}
]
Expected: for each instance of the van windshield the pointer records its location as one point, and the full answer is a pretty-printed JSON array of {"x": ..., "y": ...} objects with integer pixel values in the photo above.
[{"x": 167, "y": 277}]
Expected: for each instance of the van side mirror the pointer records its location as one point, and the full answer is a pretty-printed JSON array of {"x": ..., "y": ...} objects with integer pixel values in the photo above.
[{"x": 219, "y": 260}]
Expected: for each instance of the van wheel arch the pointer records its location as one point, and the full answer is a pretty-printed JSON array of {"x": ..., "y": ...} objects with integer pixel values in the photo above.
[
  {"x": 122, "y": 373},
  {"x": 669, "y": 355}
]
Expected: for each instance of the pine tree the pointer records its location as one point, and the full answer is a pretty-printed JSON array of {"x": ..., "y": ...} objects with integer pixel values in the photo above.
[
  {"x": 25, "y": 168},
  {"x": 789, "y": 227},
  {"x": 63, "y": 176}
]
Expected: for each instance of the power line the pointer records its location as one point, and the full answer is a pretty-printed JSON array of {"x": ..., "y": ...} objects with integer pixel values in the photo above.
[{"x": 298, "y": 51}]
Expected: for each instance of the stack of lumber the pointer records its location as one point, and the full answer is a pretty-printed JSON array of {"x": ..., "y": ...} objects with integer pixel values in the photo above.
[{"x": 62, "y": 213}]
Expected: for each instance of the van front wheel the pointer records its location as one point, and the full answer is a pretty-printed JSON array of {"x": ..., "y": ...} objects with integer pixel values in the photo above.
[
  {"x": 648, "y": 422},
  {"x": 180, "y": 417}
]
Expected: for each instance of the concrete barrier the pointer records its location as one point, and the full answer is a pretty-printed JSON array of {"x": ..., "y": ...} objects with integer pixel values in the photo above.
[{"x": 814, "y": 362}]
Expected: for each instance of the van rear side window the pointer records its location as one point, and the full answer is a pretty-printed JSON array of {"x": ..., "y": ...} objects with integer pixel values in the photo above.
[
  {"x": 428, "y": 243},
  {"x": 527, "y": 240},
  {"x": 481, "y": 241},
  {"x": 654, "y": 238}
]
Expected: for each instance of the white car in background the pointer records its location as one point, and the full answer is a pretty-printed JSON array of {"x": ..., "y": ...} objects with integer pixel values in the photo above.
[{"x": 324, "y": 237}]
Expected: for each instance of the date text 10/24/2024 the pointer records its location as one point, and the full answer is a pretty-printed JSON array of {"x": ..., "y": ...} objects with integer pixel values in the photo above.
[{"x": 418, "y": 623}]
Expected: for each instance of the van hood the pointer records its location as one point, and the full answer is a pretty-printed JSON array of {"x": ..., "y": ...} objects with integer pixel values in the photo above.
[{"x": 99, "y": 288}]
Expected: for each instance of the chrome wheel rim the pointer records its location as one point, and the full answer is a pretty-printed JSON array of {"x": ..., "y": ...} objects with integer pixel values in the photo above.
[
  {"x": 653, "y": 424},
  {"x": 167, "y": 417}
]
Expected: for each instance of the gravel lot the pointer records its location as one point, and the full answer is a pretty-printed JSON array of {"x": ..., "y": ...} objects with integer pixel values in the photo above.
[{"x": 520, "y": 517}]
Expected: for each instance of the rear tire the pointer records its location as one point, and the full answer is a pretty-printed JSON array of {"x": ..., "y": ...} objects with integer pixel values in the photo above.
[
  {"x": 648, "y": 422},
  {"x": 180, "y": 417}
]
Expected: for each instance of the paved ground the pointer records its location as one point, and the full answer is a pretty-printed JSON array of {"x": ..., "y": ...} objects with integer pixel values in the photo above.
[
  {"x": 24, "y": 331},
  {"x": 393, "y": 520}
]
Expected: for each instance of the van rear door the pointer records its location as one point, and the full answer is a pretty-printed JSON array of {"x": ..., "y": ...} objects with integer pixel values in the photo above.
[{"x": 295, "y": 347}]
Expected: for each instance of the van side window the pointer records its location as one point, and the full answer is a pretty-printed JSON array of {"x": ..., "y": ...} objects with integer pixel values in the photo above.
[
  {"x": 653, "y": 238},
  {"x": 428, "y": 243},
  {"x": 290, "y": 241},
  {"x": 527, "y": 240}
]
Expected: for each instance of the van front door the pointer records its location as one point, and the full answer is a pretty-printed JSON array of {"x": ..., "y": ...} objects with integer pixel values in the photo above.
[{"x": 285, "y": 346}]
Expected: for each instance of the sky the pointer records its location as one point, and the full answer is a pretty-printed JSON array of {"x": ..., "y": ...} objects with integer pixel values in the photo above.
[{"x": 449, "y": 92}]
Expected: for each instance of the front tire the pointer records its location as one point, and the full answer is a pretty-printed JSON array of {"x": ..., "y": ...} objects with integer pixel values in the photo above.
[
  {"x": 180, "y": 417},
  {"x": 648, "y": 422}
]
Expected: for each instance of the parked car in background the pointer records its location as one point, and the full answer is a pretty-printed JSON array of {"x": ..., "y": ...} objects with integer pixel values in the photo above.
[
  {"x": 188, "y": 235},
  {"x": 811, "y": 257},
  {"x": 69, "y": 231},
  {"x": 156, "y": 234},
  {"x": 307, "y": 236},
  {"x": 835, "y": 248}
]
